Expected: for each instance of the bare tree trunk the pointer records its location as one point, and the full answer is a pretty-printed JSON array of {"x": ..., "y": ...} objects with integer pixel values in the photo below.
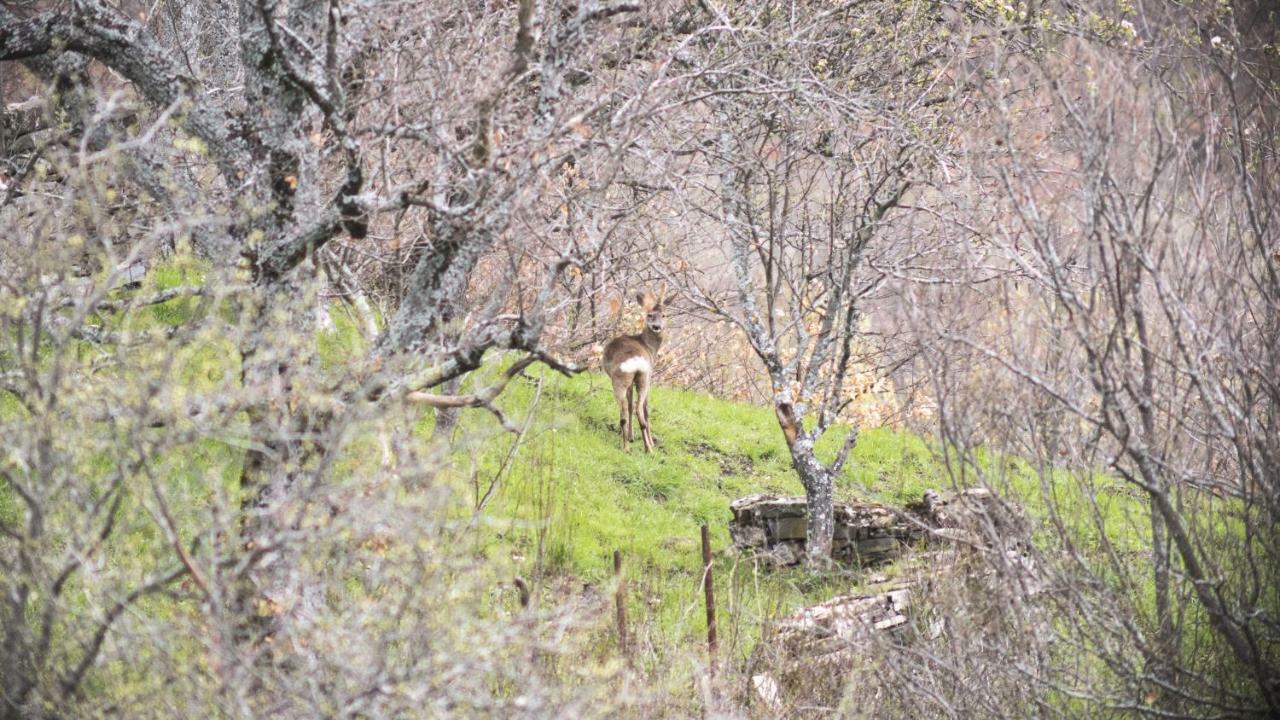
[
  {"x": 818, "y": 490},
  {"x": 818, "y": 481},
  {"x": 1160, "y": 560},
  {"x": 15, "y": 657},
  {"x": 1166, "y": 639},
  {"x": 280, "y": 427},
  {"x": 447, "y": 417}
]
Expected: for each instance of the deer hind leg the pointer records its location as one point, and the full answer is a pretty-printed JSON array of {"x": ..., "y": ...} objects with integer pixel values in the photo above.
[
  {"x": 622, "y": 393},
  {"x": 630, "y": 411},
  {"x": 642, "y": 409}
]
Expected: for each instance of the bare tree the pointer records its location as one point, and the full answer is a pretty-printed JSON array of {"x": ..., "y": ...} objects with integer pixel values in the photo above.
[{"x": 808, "y": 148}]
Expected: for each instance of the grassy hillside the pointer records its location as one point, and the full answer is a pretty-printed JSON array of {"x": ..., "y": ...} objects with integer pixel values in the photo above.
[
  {"x": 570, "y": 496},
  {"x": 557, "y": 502},
  {"x": 649, "y": 505},
  {"x": 566, "y": 496}
]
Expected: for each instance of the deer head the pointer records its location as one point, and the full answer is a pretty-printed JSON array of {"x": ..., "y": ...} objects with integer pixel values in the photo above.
[{"x": 654, "y": 310}]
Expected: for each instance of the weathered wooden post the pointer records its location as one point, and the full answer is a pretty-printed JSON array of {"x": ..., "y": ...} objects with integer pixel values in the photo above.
[
  {"x": 523, "y": 588},
  {"x": 620, "y": 599},
  {"x": 709, "y": 586}
]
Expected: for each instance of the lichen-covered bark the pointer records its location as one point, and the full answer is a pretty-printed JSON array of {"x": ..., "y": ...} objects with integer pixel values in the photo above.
[
  {"x": 818, "y": 482},
  {"x": 274, "y": 465},
  {"x": 438, "y": 283}
]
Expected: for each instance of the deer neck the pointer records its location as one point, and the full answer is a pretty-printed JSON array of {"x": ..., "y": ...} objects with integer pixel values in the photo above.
[{"x": 651, "y": 339}]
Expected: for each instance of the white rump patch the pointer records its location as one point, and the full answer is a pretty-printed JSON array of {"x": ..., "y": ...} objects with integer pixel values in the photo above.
[{"x": 636, "y": 364}]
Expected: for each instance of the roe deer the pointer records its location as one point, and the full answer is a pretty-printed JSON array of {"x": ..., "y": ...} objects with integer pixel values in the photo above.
[{"x": 629, "y": 360}]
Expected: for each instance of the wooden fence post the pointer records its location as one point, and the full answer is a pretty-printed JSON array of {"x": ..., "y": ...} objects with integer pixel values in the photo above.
[
  {"x": 620, "y": 599},
  {"x": 708, "y": 585},
  {"x": 523, "y": 588}
]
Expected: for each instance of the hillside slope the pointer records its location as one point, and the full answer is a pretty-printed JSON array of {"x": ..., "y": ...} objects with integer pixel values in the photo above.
[{"x": 569, "y": 496}]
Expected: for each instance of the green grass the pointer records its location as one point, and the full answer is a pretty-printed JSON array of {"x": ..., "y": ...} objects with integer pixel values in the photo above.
[{"x": 650, "y": 506}]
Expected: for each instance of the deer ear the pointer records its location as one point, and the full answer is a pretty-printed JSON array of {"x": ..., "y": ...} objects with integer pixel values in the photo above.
[{"x": 640, "y": 298}]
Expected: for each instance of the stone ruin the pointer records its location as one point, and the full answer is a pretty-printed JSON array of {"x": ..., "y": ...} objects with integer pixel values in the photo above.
[
  {"x": 773, "y": 527},
  {"x": 830, "y": 634}
]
